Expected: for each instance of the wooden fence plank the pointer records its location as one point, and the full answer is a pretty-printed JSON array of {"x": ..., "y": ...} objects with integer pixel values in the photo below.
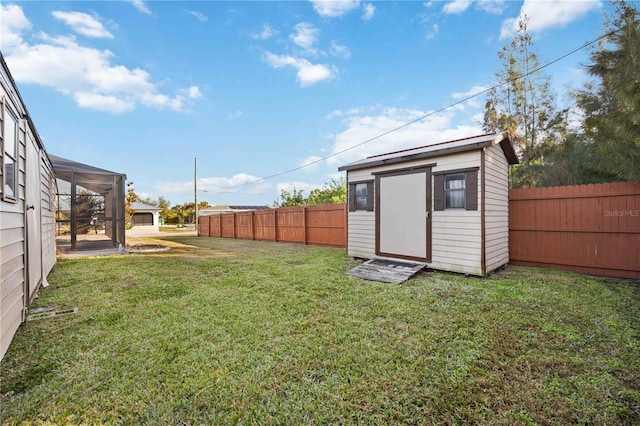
[
  {"x": 591, "y": 229},
  {"x": 317, "y": 225}
]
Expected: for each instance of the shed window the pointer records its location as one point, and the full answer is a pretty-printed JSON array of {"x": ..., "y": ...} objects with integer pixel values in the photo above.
[
  {"x": 455, "y": 190},
  {"x": 10, "y": 163},
  {"x": 361, "y": 196}
]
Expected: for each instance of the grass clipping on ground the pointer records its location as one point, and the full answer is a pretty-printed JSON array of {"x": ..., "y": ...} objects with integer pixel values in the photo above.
[{"x": 221, "y": 331}]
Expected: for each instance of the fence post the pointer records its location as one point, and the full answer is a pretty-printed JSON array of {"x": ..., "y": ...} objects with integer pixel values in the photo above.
[
  {"x": 346, "y": 225},
  {"x": 253, "y": 227},
  {"x": 275, "y": 224},
  {"x": 220, "y": 224},
  {"x": 304, "y": 224}
]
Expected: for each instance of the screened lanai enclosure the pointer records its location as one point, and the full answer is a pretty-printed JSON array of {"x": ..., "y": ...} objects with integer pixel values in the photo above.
[{"x": 91, "y": 205}]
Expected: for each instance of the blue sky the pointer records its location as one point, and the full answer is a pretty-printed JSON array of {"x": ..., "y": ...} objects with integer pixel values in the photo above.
[{"x": 253, "y": 89}]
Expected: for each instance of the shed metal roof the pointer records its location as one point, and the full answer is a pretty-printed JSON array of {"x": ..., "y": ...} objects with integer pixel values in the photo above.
[{"x": 437, "y": 150}]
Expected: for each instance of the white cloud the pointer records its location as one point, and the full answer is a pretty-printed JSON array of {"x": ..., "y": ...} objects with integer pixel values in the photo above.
[
  {"x": 83, "y": 23},
  {"x": 307, "y": 73},
  {"x": 432, "y": 32},
  {"x": 85, "y": 74},
  {"x": 310, "y": 163},
  {"x": 266, "y": 33},
  {"x": 456, "y": 6},
  {"x": 13, "y": 23},
  {"x": 306, "y": 36},
  {"x": 368, "y": 10},
  {"x": 194, "y": 92},
  {"x": 214, "y": 185},
  {"x": 340, "y": 50},
  {"x": 363, "y": 127},
  {"x": 543, "y": 15},
  {"x": 104, "y": 103},
  {"x": 475, "y": 101},
  {"x": 351, "y": 111},
  {"x": 460, "y": 6},
  {"x": 491, "y": 6},
  {"x": 141, "y": 6},
  {"x": 198, "y": 15},
  {"x": 334, "y": 8}
]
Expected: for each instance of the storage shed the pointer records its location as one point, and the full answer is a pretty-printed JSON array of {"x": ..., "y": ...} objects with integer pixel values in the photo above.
[
  {"x": 27, "y": 210},
  {"x": 444, "y": 204}
]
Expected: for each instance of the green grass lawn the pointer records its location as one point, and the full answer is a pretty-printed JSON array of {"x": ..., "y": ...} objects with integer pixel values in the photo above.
[{"x": 220, "y": 331}]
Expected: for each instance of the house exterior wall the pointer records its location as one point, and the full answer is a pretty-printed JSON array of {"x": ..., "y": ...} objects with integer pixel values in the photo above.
[
  {"x": 48, "y": 192},
  {"x": 496, "y": 208},
  {"x": 12, "y": 224},
  {"x": 15, "y": 267},
  {"x": 456, "y": 234}
]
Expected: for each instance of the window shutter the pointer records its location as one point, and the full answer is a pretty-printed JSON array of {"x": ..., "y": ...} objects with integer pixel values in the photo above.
[
  {"x": 369, "y": 196},
  {"x": 352, "y": 197},
  {"x": 471, "y": 186},
  {"x": 438, "y": 192}
]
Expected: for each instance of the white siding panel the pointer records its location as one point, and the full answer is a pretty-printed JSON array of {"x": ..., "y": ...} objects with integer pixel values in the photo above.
[
  {"x": 456, "y": 235},
  {"x": 361, "y": 241},
  {"x": 496, "y": 209},
  {"x": 37, "y": 190}
]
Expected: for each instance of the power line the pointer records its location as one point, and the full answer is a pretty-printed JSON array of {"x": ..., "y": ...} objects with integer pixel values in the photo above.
[{"x": 432, "y": 113}]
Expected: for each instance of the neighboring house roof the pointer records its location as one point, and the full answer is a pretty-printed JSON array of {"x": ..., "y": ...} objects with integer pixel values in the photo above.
[
  {"x": 438, "y": 149},
  {"x": 137, "y": 205}
]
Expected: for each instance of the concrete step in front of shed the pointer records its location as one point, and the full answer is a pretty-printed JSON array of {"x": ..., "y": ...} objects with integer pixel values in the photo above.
[{"x": 386, "y": 271}]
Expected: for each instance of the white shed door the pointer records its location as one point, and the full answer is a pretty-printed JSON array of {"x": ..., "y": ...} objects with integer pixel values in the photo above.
[
  {"x": 403, "y": 215},
  {"x": 34, "y": 224}
]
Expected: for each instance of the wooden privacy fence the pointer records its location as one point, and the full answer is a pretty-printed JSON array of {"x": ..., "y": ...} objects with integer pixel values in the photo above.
[
  {"x": 318, "y": 225},
  {"x": 592, "y": 229}
]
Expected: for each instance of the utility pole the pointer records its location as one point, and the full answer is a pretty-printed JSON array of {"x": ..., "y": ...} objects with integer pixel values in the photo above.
[{"x": 195, "y": 192}]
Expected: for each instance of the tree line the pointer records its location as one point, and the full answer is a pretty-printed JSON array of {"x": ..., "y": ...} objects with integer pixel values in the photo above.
[{"x": 596, "y": 138}]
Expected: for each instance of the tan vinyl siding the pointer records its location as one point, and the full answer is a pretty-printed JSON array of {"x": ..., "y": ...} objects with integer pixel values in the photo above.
[
  {"x": 13, "y": 219},
  {"x": 456, "y": 237},
  {"x": 496, "y": 208},
  {"x": 361, "y": 225},
  {"x": 362, "y": 234},
  {"x": 11, "y": 306},
  {"x": 48, "y": 215},
  {"x": 12, "y": 249}
]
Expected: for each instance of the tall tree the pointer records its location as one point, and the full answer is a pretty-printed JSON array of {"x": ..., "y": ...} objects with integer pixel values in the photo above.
[
  {"x": 333, "y": 192},
  {"x": 130, "y": 198},
  {"x": 611, "y": 102},
  {"x": 288, "y": 199},
  {"x": 164, "y": 204},
  {"x": 523, "y": 106}
]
